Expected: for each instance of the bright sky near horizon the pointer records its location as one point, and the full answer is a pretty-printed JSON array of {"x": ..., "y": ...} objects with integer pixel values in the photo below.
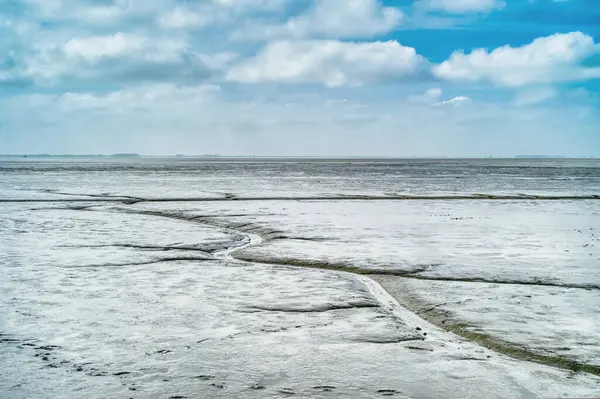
[{"x": 301, "y": 77}]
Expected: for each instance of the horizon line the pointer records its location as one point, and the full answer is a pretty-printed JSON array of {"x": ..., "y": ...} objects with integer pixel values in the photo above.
[{"x": 218, "y": 156}]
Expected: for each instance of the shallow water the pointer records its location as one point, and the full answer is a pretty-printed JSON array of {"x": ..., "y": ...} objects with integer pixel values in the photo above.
[{"x": 174, "y": 177}]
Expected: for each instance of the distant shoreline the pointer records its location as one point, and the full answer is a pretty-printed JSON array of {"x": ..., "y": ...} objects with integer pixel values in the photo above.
[{"x": 276, "y": 157}]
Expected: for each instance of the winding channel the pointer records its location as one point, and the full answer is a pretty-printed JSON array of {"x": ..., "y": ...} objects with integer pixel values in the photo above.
[{"x": 411, "y": 305}]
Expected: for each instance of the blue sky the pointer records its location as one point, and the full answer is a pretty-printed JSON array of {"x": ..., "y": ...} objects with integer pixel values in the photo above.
[{"x": 301, "y": 77}]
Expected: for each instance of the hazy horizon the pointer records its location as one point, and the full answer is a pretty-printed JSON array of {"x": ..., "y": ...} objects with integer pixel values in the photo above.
[{"x": 225, "y": 156}]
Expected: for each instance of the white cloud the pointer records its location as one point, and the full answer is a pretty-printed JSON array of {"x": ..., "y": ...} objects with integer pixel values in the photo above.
[
  {"x": 183, "y": 18},
  {"x": 456, "y": 101},
  {"x": 136, "y": 99},
  {"x": 555, "y": 58},
  {"x": 461, "y": 6},
  {"x": 329, "y": 62},
  {"x": 168, "y": 13},
  {"x": 433, "y": 96},
  {"x": 99, "y": 14},
  {"x": 534, "y": 96},
  {"x": 210, "y": 13},
  {"x": 93, "y": 49},
  {"x": 331, "y": 19},
  {"x": 251, "y": 5},
  {"x": 121, "y": 57},
  {"x": 84, "y": 11},
  {"x": 107, "y": 56}
]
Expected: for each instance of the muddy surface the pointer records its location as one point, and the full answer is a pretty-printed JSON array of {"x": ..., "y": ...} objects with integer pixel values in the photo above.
[{"x": 125, "y": 297}]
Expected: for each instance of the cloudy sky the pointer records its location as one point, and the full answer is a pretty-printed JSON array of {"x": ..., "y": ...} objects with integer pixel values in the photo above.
[{"x": 301, "y": 77}]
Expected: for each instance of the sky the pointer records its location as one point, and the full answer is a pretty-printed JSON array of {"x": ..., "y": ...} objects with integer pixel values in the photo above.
[{"x": 457, "y": 78}]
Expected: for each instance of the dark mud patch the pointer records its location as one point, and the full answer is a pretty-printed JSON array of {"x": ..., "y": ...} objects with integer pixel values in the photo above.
[
  {"x": 388, "y": 392},
  {"x": 418, "y": 348},
  {"x": 318, "y": 308},
  {"x": 10, "y": 339},
  {"x": 67, "y": 208},
  {"x": 125, "y": 198},
  {"x": 389, "y": 340},
  {"x": 47, "y": 347},
  {"x": 218, "y": 385},
  {"x": 537, "y": 282},
  {"x": 204, "y": 377},
  {"x": 149, "y": 262},
  {"x": 194, "y": 248},
  {"x": 324, "y": 388},
  {"x": 343, "y": 267},
  {"x": 50, "y": 356},
  {"x": 97, "y": 373}
]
